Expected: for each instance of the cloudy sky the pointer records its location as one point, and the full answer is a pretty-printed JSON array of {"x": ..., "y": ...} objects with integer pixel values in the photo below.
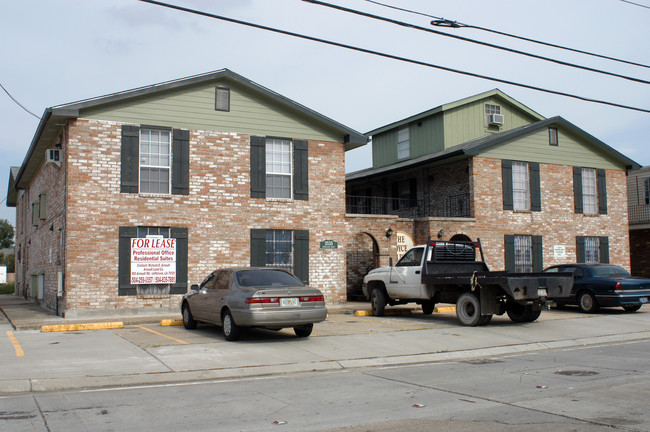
[{"x": 55, "y": 52}]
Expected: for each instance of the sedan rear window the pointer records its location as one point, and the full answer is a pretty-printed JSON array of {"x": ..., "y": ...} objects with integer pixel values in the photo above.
[
  {"x": 266, "y": 278},
  {"x": 610, "y": 271}
]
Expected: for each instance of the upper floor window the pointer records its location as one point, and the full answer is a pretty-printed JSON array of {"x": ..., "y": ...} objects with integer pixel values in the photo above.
[
  {"x": 489, "y": 110},
  {"x": 403, "y": 143},
  {"x": 590, "y": 190},
  {"x": 222, "y": 99},
  {"x": 278, "y": 168},
  {"x": 520, "y": 186},
  {"x": 552, "y": 136},
  {"x": 155, "y": 159}
]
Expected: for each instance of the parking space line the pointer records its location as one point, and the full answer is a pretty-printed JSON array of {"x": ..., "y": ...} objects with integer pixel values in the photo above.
[
  {"x": 163, "y": 335},
  {"x": 14, "y": 341}
]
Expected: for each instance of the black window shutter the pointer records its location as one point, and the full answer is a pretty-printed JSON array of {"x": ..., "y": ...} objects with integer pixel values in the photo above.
[
  {"x": 535, "y": 188},
  {"x": 506, "y": 178},
  {"x": 301, "y": 255},
  {"x": 258, "y": 248},
  {"x": 577, "y": 190},
  {"x": 538, "y": 254},
  {"x": 181, "y": 162},
  {"x": 602, "y": 191},
  {"x": 510, "y": 253},
  {"x": 300, "y": 170},
  {"x": 129, "y": 162},
  {"x": 124, "y": 261},
  {"x": 413, "y": 192},
  {"x": 604, "y": 250},
  {"x": 258, "y": 167},
  {"x": 180, "y": 234},
  {"x": 580, "y": 249}
]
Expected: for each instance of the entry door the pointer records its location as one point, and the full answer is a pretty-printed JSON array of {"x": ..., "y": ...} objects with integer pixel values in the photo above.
[{"x": 406, "y": 276}]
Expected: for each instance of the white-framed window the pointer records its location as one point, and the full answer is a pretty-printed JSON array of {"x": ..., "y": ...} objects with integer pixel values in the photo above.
[
  {"x": 523, "y": 254},
  {"x": 155, "y": 161},
  {"x": 278, "y": 168},
  {"x": 489, "y": 110},
  {"x": 279, "y": 249},
  {"x": 520, "y": 186},
  {"x": 552, "y": 136},
  {"x": 592, "y": 249},
  {"x": 403, "y": 143},
  {"x": 589, "y": 191}
]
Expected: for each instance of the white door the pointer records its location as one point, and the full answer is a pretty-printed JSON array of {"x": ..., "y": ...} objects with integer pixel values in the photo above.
[{"x": 406, "y": 276}]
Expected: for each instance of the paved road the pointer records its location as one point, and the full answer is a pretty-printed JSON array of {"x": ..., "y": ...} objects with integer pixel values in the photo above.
[{"x": 593, "y": 388}]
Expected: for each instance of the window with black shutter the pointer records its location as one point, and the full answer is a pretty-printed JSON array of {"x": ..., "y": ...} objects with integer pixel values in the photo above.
[
  {"x": 282, "y": 249},
  {"x": 279, "y": 168},
  {"x": 521, "y": 186},
  {"x": 590, "y": 190}
]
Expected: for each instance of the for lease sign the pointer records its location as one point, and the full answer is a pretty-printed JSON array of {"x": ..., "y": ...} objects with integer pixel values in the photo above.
[{"x": 153, "y": 260}]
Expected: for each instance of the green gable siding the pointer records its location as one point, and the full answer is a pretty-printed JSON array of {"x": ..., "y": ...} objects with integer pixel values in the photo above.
[
  {"x": 535, "y": 148},
  {"x": 384, "y": 148},
  {"x": 467, "y": 122},
  {"x": 425, "y": 138},
  {"x": 193, "y": 108}
]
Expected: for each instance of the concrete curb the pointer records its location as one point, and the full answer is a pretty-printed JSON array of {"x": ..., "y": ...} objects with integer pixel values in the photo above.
[
  {"x": 82, "y": 326},
  {"x": 106, "y": 383}
]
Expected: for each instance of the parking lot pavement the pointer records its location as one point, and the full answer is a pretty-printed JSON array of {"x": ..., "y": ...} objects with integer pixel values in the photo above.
[{"x": 150, "y": 353}]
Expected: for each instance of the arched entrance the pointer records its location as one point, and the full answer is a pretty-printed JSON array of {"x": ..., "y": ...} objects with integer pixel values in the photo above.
[
  {"x": 460, "y": 237},
  {"x": 362, "y": 255}
]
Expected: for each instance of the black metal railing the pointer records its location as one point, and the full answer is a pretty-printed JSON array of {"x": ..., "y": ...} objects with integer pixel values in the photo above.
[
  {"x": 639, "y": 213},
  {"x": 449, "y": 206}
]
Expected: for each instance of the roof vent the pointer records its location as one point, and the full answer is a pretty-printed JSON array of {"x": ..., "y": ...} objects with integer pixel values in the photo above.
[{"x": 496, "y": 119}]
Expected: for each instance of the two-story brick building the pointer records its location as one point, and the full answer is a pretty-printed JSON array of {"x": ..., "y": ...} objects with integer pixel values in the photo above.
[
  {"x": 638, "y": 193},
  {"x": 234, "y": 172},
  {"x": 536, "y": 191}
]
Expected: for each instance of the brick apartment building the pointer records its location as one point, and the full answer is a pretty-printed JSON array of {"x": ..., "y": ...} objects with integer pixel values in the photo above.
[
  {"x": 638, "y": 192},
  {"x": 234, "y": 172},
  {"x": 536, "y": 191}
]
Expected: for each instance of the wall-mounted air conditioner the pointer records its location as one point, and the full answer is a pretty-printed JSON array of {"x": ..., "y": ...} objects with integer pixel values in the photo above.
[
  {"x": 53, "y": 156},
  {"x": 496, "y": 119}
]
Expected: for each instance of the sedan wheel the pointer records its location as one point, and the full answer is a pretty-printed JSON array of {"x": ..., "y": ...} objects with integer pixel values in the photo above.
[
  {"x": 231, "y": 331},
  {"x": 632, "y": 308},
  {"x": 303, "y": 331},
  {"x": 587, "y": 302},
  {"x": 188, "y": 320}
]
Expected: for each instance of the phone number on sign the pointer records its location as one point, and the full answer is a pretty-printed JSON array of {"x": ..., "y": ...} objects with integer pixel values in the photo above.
[{"x": 153, "y": 279}]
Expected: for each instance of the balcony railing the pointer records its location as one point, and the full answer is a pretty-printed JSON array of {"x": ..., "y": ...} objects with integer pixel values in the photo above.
[
  {"x": 450, "y": 206},
  {"x": 639, "y": 213}
]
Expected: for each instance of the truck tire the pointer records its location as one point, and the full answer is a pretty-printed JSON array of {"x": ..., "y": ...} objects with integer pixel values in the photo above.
[
  {"x": 522, "y": 313},
  {"x": 377, "y": 302},
  {"x": 428, "y": 307},
  {"x": 468, "y": 310}
]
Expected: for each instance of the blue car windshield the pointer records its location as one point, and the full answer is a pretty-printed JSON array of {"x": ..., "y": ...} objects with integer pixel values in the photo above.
[
  {"x": 266, "y": 278},
  {"x": 605, "y": 271}
]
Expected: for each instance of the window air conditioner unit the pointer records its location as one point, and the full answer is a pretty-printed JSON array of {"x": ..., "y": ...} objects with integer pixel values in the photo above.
[
  {"x": 53, "y": 156},
  {"x": 496, "y": 119}
]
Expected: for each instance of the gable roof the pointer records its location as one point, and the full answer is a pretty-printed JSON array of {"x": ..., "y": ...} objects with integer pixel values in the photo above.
[
  {"x": 12, "y": 194},
  {"x": 479, "y": 145},
  {"x": 53, "y": 118},
  {"x": 465, "y": 101}
]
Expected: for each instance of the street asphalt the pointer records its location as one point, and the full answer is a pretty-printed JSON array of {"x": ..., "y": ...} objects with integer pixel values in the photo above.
[{"x": 142, "y": 351}]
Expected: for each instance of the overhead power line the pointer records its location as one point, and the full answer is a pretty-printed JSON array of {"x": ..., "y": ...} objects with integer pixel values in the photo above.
[
  {"x": 16, "y": 101},
  {"x": 390, "y": 56},
  {"x": 440, "y": 21},
  {"x": 475, "y": 41},
  {"x": 636, "y": 4}
]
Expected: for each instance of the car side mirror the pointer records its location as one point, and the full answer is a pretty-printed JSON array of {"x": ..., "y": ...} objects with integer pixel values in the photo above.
[{"x": 194, "y": 287}]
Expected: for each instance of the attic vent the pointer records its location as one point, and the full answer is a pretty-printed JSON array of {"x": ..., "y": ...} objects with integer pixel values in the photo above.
[{"x": 222, "y": 99}]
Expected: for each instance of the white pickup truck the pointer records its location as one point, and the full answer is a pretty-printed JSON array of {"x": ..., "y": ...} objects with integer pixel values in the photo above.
[{"x": 456, "y": 273}]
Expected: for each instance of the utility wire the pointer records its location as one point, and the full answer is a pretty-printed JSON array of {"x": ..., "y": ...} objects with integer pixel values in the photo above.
[
  {"x": 636, "y": 4},
  {"x": 500, "y": 47},
  {"x": 18, "y": 103},
  {"x": 439, "y": 21},
  {"x": 390, "y": 56}
]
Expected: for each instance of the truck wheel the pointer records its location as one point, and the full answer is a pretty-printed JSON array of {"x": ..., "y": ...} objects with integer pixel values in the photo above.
[
  {"x": 377, "y": 302},
  {"x": 520, "y": 313},
  {"x": 468, "y": 309},
  {"x": 428, "y": 307},
  {"x": 485, "y": 319},
  {"x": 587, "y": 302}
]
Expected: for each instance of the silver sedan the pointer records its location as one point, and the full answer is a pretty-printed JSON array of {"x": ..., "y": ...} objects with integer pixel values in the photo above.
[{"x": 253, "y": 297}]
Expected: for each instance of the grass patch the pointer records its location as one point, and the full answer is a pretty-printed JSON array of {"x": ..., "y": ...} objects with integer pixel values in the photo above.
[{"x": 7, "y": 288}]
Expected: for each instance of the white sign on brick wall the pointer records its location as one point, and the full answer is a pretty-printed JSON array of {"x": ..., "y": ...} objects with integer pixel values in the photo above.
[
  {"x": 3, "y": 274},
  {"x": 153, "y": 260},
  {"x": 404, "y": 243}
]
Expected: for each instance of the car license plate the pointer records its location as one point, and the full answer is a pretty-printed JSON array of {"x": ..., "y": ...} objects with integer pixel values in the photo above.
[
  {"x": 541, "y": 292},
  {"x": 288, "y": 302},
  {"x": 643, "y": 299}
]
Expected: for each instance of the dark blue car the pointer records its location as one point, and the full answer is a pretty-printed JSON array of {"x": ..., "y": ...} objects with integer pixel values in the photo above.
[{"x": 603, "y": 285}]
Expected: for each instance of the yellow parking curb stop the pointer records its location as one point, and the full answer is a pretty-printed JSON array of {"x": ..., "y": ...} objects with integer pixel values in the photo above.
[
  {"x": 82, "y": 326},
  {"x": 171, "y": 322},
  {"x": 445, "y": 309}
]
